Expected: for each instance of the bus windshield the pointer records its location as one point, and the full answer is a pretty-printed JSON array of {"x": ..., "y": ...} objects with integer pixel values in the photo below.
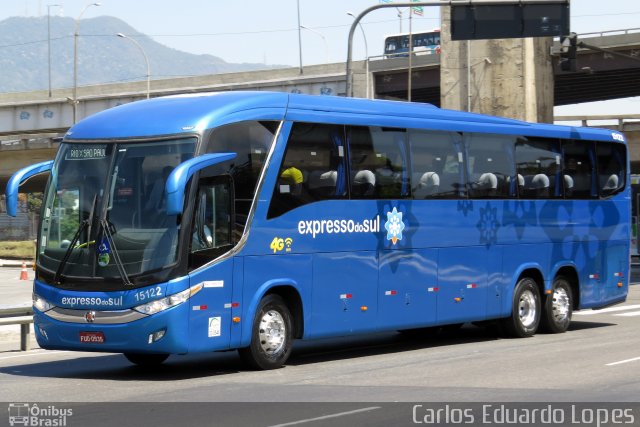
[{"x": 118, "y": 187}]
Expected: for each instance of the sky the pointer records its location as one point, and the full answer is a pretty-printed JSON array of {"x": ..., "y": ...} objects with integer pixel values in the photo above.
[{"x": 266, "y": 31}]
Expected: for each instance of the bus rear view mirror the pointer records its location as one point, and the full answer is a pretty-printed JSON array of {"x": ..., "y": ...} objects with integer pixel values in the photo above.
[
  {"x": 18, "y": 179},
  {"x": 179, "y": 177}
]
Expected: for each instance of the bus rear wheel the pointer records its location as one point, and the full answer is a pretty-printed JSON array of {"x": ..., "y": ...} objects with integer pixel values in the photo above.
[
  {"x": 558, "y": 307},
  {"x": 526, "y": 308},
  {"x": 271, "y": 335},
  {"x": 146, "y": 360}
]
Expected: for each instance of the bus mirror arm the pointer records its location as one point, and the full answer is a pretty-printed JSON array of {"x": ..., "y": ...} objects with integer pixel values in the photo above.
[
  {"x": 18, "y": 178},
  {"x": 179, "y": 177}
]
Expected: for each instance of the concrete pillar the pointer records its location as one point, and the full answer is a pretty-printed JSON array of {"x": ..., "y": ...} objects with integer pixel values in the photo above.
[{"x": 508, "y": 77}]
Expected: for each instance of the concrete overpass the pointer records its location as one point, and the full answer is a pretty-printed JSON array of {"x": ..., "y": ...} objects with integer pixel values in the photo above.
[{"x": 29, "y": 121}]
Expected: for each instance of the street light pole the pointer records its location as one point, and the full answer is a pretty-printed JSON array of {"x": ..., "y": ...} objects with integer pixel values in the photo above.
[
  {"x": 146, "y": 59},
  {"x": 75, "y": 62},
  {"x": 299, "y": 37},
  {"x": 366, "y": 52},
  {"x": 364, "y": 36},
  {"x": 326, "y": 46},
  {"x": 49, "y": 6}
]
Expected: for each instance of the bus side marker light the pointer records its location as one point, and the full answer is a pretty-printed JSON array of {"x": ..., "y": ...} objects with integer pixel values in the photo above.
[
  {"x": 433, "y": 289},
  {"x": 594, "y": 276},
  {"x": 391, "y": 292},
  {"x": 457, "y": 299},
  {"x": 472, "y": 286},
  {"x": 199, "y": 307},
  {"x": 619, "y": 274},
  {"x": 620, "y": 284},
  {"x": 346, "y": 296},
  {"x": 236, "y": 320},
  {"x": 232, "y": 305},
  {"x": 364, "y": 308},
  {"x": 548, "y": 292}
]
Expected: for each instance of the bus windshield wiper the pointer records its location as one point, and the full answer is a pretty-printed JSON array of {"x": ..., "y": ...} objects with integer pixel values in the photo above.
[
  {"x": 85, "y": 224},
  {"x": 106, "y": 230}
]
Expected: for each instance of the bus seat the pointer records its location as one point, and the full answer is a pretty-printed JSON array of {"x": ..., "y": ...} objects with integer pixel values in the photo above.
[
  {"x": 488, "y": 180},
  {"x": 428, "y": 185},
  {"x": 540, "y": 183},
  {"x": 322, "y": 184},
  {"x": 290, "y": 181},
  {"x": 611, "y": 184},
  {"x": 364, "y": 183},
  {"x": 487, "y": 184},
  {"x": 568, "y": 185}
]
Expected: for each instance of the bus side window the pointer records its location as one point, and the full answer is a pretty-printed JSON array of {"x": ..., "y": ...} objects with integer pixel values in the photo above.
[
  {"x": 611, "y": 166},
  {"x": 378, "y": 163},
  {"x": 435, "y": 167},
  {"x": 252, "y": 141},
  {"x": 538, "y": 163},
  {"x": 489, "y": 166},
  {"x": 213, "y": 222},
  {"x": 313, "y": 168},
  {"x": 578, "y": 170}
]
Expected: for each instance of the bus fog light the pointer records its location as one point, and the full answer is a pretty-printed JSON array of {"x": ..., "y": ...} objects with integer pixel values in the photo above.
[{"x": 157, "y": 336}]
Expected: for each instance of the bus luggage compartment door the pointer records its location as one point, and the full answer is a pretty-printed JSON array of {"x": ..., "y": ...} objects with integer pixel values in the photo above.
[
  {"x": 462, "y": 282},
  {"x": 344, "y": 293},
  {"x": 408, "y": 288}
]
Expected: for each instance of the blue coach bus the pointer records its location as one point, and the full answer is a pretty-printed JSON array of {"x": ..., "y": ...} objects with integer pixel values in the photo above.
[
  {"x": 425, "y": 43},
  {"x": 246, "y": 220}
]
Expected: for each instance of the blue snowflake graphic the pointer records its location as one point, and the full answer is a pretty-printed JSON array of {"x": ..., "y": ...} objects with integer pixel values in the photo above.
[
  {"x": 394, "y": 225},
  {"x": 488, "y": 225}
]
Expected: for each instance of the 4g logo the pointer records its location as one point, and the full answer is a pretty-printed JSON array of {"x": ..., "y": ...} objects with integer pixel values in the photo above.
[{"x": 278, "y": 244}]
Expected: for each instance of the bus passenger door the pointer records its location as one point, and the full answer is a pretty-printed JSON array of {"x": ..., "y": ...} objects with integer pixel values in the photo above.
[
  {"x": 462, "y": 283},
  {"x": 212, "y": 236},
  {"x": 408, "y": 288}
]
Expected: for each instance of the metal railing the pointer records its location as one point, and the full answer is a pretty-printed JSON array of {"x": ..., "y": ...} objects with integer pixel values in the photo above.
[
  {"x": 611, "y": 32},
  {"x": 22, "y": 316},
  {"x": 621, "y": 121}
]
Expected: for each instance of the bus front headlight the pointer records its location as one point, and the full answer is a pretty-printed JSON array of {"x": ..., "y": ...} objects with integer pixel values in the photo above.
[{"x": 159, "y": 305}]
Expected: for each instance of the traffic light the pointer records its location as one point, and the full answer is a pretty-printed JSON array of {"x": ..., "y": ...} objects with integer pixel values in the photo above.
[{"x": 568, "y": 50}]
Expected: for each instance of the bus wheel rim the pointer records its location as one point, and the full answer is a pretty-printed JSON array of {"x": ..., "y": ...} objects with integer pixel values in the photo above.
[
  {"x": 560, "y": 305},
  {"x": 527, "y": 309},
  {"x": 272, "y": 332}
]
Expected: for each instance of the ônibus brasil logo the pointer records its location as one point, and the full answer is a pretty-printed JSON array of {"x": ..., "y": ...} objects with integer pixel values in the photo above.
[{"x": 33, "y": 415}]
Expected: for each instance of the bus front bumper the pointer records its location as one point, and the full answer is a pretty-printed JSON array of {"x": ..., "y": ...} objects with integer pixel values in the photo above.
[{"x": 163, "y": 332}]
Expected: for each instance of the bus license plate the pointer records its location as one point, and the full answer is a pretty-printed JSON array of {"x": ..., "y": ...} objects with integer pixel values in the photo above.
[{"x": 92, "y": 337}]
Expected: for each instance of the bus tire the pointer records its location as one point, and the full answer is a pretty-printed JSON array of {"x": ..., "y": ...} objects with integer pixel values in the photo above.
[
  {"x": 558, "y": 307},
  {"x": 525, "y": 312},
  {"x": 271, "y": 335},
  {"x": 146, "y": 360}
]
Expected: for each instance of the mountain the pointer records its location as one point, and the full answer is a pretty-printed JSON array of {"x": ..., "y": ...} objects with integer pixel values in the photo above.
[{"x": 102, "y": 56}]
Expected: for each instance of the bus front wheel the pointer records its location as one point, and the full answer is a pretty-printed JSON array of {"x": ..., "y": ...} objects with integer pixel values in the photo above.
[
  {"x": 525, "y": 313},
  {"x": 271, "y": 335},
  {"x": 558, "y": 307},
  {"x": 146, "y": 360}
]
